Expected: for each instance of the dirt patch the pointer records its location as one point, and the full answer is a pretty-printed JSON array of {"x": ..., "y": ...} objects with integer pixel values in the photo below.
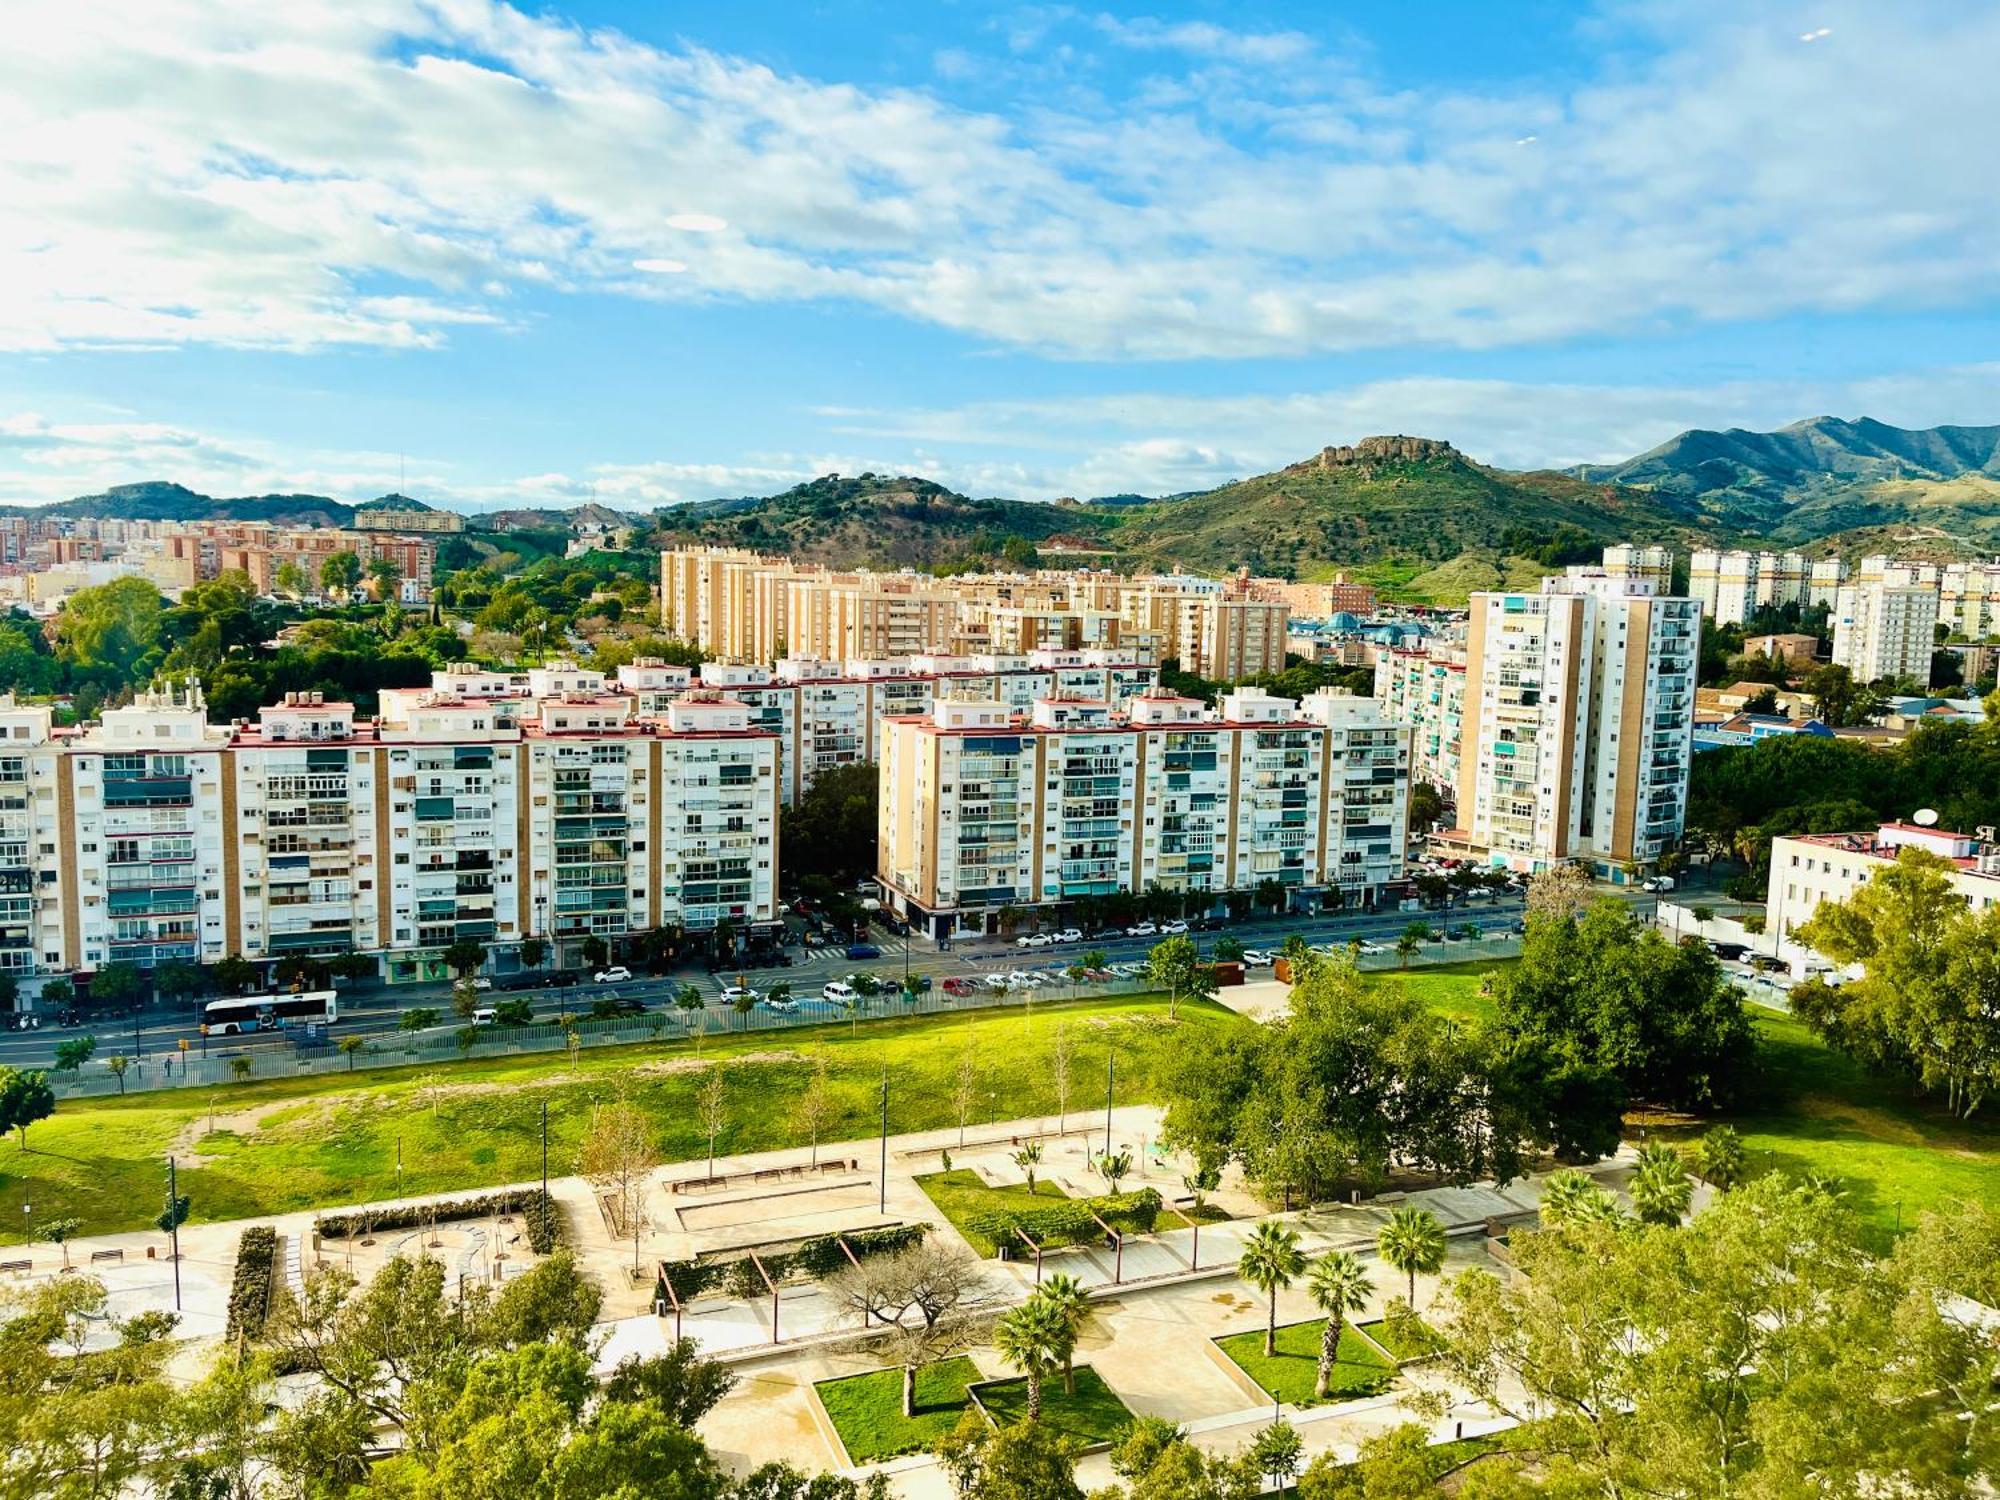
[
  {"x": 239, "y": 1122},
  {"x": 668, "y": 1067}
]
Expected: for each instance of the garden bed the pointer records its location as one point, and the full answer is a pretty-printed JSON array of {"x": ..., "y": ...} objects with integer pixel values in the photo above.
[
  {"x": 867, "y": 1410},
  {"x": 1404, "y": 1339},
  {"x": 961, "y": 1196},
  {"x": 1359, "y": 1368},
  {"x": 1094, "y": 1416}
]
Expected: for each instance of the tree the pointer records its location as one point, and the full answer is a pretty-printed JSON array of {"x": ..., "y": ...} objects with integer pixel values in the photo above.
[
  {"x": 1278, "y": 1451},
  {"x": 1719, "y": 1157},
  {"x": 1271, "y": 1261},
  {"x": 1660, "y": 1187},
  {"x": 1027, "y": 1461},
  {"x": 964, "y": 1091},
  {"x": 816, "y": 1108},
  {"x": 351, "y": 1047},
  {"x": 1339, "y": 1288},
  {"x": 1413, "y": 1242},
  {"x": 1928, "y": 1003},
  {"x": 921, "y": 1305},
  {"x": 339, "y": 573},
  {"x": 1029, "y": 1160},
  {"x": 1412, "y": 941},
  {"x": 175, "y": 980},
  {"x": 465, "y": 957},
  {"x": 1175, "y": 966},
  {"x": 617, "y": 1158},
  {"x": 1033, "y": 1339},
  {"x": 73, "y": 1052},
  {"x": 596, "y": 953},
  {"x": 57, "y": 993},
  {"x": 1203, "y": 1180},
  {"x": 108, "y": 637},
  {"x": 117, "y": 985},
  {"x": 1113, "y": 1167},
  {"x": 1569, "y": 1198},
  {"x": 170, "y": 1218},
  {"x": 1561, "y": 892},
  {"x": 60, "y": 1232},
  {"x": 680, "y": 1382},
  {"x": 533, "y": 952},
  {"x": 712, "y": 1104},
  {"x": 1062, "y": 1062},
  {"x": 746, "y": 1002},
  {"x": 691, "y": 1002},
  {"x": 1065, "y": 1294},
  {"x": 832, "y": 828},
  {"x": 239, "y": 1067},
  {"x": 417, "y": 1018},
  {"x": 464, "y": 997},
  {"x": 25, "y": 1098},
  {"x": 116, "y": 1067},
  {"x": 289, "y": 578},
  {"x": 1839, "y": 701},
  {"x": 383, "y": 577},
  {"x": 233, "y": 975}
]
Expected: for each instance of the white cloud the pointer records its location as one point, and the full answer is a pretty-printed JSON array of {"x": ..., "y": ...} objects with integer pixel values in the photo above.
[{"x": 332, "y": 172}]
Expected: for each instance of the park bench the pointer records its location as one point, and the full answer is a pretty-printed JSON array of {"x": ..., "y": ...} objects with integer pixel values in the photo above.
[
  {"x": 99, "y": 1256},
  {"x": 18, "y": 1266}
]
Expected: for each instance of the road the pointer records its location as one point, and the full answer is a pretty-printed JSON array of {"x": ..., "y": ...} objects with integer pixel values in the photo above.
[{"x": 372, "y": 1009}]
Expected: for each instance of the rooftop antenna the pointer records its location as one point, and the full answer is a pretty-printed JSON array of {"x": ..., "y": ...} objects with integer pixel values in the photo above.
[{"x": 1925, "y": 817}]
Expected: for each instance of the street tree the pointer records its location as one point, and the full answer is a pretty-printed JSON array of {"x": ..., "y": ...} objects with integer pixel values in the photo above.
[
  {"x": 1071, "y": 1303},
  {"x": 116, "y": 1067},
  {"x": 816, "y": 1107},
  {"x": 1175, "y": 965},
  {"x": 60, "y": 1232},
  {"x": 25, "y": 1098},
  {"x": 73, "y": 1052},
  {"x": 964, "y": 1091},
  {"x": 1278, "y": 1451},
  {"x": 1062, "y": 1063},
  {"x": 712, "y": 1107},
  {"x": 618, "y": 1158}
]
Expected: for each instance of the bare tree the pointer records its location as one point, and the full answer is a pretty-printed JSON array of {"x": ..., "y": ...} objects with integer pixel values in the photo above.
[
  {"x": 713, "y": 1106},
  {"x": 1561, "y": 891},
  {"x": 919, "y": 1305},
  {"x": 815, "y": 1109},
  {"x": 618, "y": 1156},
  {"x": 965, "y": 1091},
  {"x": 1062, "y": 1059}
]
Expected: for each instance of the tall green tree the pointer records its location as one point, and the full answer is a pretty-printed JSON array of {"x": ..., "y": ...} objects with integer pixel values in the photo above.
[
  {"x": 25, "y": 1098},
  {"x": 1033, "y": 1339},
  {"x": 1271, "y": 1261},
  {"x": 1413, "y": 1242},
  {"x": 109, "y": 636},
  {"x": 1339, "y": 1287},
  {"x": 339, "y": 573},
  {"x": 1175, "y": 965}
]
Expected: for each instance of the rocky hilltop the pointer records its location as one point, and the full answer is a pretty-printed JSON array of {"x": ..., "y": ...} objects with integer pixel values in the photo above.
[{"x": 1370, "y": 452}]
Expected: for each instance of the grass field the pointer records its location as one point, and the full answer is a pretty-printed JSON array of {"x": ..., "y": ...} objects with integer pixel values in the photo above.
[
  {"x": 1405, "y": 1340},
  {"x": 1358, "y": 1369},
  {"x": 1814, "y": 1110},
  {"x": 867, "y": 1410},
  {"x": 961, "y": 1197},
  {"x": 333, "y": 1139},
  {"x": 1093, "y": 1415}
]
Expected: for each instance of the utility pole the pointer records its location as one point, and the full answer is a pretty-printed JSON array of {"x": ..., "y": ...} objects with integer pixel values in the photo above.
[
  {"x": 174, "y": 1217},
  {"x": 545, "y": 1150},
  {"x": 882, "y": 1181},
  {"x": 1110, "y": 1087}
]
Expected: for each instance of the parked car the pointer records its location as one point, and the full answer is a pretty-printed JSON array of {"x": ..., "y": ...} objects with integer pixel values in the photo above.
[
  {"x": 485, "y": 1015},
  {"x": 839, "y": 992},
  {"x": 1659, "y": 884},
  {"x": 1174, "y": 928},
  {"x": 1373, "y": 949},
  {"x": 958, "y": 984},
  {"x": 783, "y": 1007},
  {"x": 1257, "y": 958},
  {"x": 482, "y": 982},
  {"x": 625, "y": 1005},
  {"x": 616, "y": 974},
  {"x": 1027, "y": 979},
  {"x": 1070, "y": 935},
  {"x": 731, "y": 993},
  {"x": 1729, "y": 950},
  {"x": 995, "y": 981},
  {"x": 1107, "y": 934},
  {"x": 1141, "y": 929},
  {"x": 1033, "y": 940}
]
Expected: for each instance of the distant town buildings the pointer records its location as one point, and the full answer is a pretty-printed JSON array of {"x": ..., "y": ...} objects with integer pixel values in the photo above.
[
  {"x": 400, "y": 513},
  {"x": 1732, "y": 586}
]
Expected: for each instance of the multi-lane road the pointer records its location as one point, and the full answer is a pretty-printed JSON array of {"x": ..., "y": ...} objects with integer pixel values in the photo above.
[{"x": 372, "y": 1010}]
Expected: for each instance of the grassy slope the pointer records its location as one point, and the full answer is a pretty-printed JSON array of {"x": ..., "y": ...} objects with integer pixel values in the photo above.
[
  {"x": 961, "y": 1197},
  {"x": 333, "y": 1139}
]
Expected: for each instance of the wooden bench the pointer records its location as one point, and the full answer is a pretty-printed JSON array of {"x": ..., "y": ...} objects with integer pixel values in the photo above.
[
  {"x": 21, "y": 1266},
  {"x": 98, "y": 1256}
]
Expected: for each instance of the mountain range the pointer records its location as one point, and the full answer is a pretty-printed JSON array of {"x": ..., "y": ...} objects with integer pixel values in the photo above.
[{"x": 1412, "y": 513}]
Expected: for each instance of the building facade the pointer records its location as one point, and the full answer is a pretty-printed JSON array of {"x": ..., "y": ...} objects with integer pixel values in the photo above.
[
  {"x": 1886, "y": 629},
  {"x": 984, "y": 807}
]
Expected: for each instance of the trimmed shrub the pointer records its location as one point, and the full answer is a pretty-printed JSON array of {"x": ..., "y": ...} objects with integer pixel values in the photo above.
[
  {"x": 541, "y": 1216},
  {"x": 250, "y": 1286},
  {"x": 1069, "y": 1222},
  {"x": 813, "y": 1260}
]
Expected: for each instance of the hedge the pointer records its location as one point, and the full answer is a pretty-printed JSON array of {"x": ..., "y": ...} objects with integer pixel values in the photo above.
[
  {"x": 815, "y": 1259},
  {"x": 540, "y": 1215},
  {"x": 1069, "y": 1222},
  {"x": 250, "y": 1287}
]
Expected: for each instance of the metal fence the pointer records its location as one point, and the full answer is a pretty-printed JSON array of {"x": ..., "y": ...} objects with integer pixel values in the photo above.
[{"x": 223, "y": 1066}]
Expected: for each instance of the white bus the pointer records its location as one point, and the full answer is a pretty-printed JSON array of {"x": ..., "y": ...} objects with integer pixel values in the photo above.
[{"x": 269, "y": 1012}]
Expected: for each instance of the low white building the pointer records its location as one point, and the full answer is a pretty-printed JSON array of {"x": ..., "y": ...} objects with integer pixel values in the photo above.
[{"x": 1807, "y": 869}]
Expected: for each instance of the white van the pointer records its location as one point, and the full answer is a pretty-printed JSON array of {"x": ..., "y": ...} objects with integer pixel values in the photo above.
[
  {"x": 484, "y": 1016},
  {"x": 839, "y": 993}
]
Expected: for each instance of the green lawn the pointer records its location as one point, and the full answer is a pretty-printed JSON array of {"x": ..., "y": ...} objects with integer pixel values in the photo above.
[
  {"x": 333, "y": 1138},
  {"x": 1815, "y": 1110},
  {"x": 1093, "y": 1415},
  {"x": 867, "y": 1410},
  {"x": 1409, "y": 1339},
  {"x": 1358, "y": 1369},
  {"x": 961, "y": 1197}
]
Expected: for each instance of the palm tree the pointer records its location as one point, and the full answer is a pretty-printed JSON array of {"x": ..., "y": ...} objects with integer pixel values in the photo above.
[
  {"x": 1568, "y": 1198},
  {"x": 1661, "y": 1189},
  {"x": 1270, "y": 1262},
  {"x": 1033, "y": 1339},
  {"x": 1339, "y": 1287},
  {"x": 1066, "y": 1295},
  {"x": 1413, "y": 1241},
  {"x": 1029, "y": 1160},
  {"x": 1412, "y": 941}
]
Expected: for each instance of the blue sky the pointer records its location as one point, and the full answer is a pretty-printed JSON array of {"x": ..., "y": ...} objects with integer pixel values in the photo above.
[{"x": 661, "y": 253}]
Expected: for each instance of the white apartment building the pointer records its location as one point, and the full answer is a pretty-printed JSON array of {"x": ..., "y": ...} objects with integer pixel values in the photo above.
[
  {"x": 1824, "y": 580},
  {"x": 1732, "y": 586},
  {"x": 1886, "y": 629},
  {"x": 1969, "y": 599},
  {"x": 36, "y": 903},
  {"x": 1646, "y": 564},
  {"x": 1577, "y": 725},
  {"x": 1807, "y": 869},
  {"x": 1426, "y": 690},
  {"x": 983, "y": 807}
]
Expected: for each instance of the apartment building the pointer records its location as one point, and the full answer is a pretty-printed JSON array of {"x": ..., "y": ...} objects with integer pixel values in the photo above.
[
  {"x": 984, "y": 807},
  {"x": 1732, "y": 586},
  {"x": 397, "y": 513},
  {"x": 1885, "y": 625},
  {"x": 1426, "y": 690},
  {"x": 1823, "y": 582},
  {"x": 494, "y": 810},
  {"x": 1577, "y": 723},
  {"x": 1807, "y": 869},
  {"x": 1643, "y": 564},
  {"x": 1969, "y": 599}
]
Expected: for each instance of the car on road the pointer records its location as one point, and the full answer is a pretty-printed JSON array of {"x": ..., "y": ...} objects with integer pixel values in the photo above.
[
  {"x": 863, "y": 950},
  {"x": 482, "y": 982},
  {"x": 616, "y": 974},
  {"x": 1174, "y": 928},
  {"x": 784, "y": 1005},
  {"x": 1658, "y": 884},
  {"x": 1034, "y": 940},
  {"x": 623, "y": 1005},
  {"x": 1372, "y": 950},
  {"x": 839, "y": 992},
  {"x": 1141, "y": 929},
  {"x": 995, "y": 981},
  {"x": 1257, "y": 958},
  {"x": 731, "y": 993},
  {"x": 1070, "y": 935},
  {"x": 1107, "y": 934}
]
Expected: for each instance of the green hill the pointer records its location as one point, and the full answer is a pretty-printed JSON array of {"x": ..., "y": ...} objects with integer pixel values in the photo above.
[
  {"x": 159, "y": 500},
  {"x": 1389, "y": 499},
  {"x": 878, "y": 520}
]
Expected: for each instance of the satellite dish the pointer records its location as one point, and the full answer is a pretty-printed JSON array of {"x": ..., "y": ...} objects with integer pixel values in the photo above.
[{"x": 1926, "y": 817}]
